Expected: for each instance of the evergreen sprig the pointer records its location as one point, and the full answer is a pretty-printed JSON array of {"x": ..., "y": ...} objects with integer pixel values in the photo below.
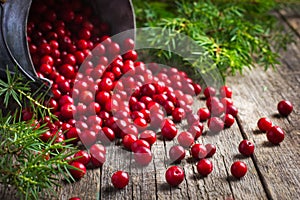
[
  {"x": 27, "y": 163},
  {"x": 236, "y": 34}
]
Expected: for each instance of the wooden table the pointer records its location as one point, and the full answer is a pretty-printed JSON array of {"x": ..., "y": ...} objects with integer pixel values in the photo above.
[{"x": 273, "y": 170}]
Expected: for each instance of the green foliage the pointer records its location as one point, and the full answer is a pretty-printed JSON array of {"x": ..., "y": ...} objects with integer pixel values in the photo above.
[
  {"x": 27, "y": 163},
  {"x": 236, "y": 34}
]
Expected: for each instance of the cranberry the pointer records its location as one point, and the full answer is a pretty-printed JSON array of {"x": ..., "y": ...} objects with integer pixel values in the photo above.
[
  {"x": 209, "y": 92},
  {"x": 67, "y": 110},
  {"x": 204, "y": 167},
  {"x": 204, "y": 114},
  {"x": 106, "y": 84},
  {"x": 46, "y": 69},
  {"x": 215, "y": 124},
  {"x": 120, "y": 179},
  {"x": 142, "y": 156},
  {"x": 75, "y": 198},
  {"x": 264, "y": 124},
  {"x": 130, "y": 129},
  {"x": 174, "y": 176},
  {"x": 106, "y": 135},
  {"x": 191, "y": 118},
  {"x": 141, "y": 123},
  {"x": 65, "y": 99},
  {"x": 45, "y": 137},
  {"x": 238, "y": 169},
  {"x": 275, "y": 135},
  {"x": 176, "y": 153},
  {"x": 195, "y": 131},
  {"x": 130, "y": 55},
  {"x": 128, "y": 140},
  {"x": 78, "y": 170},
  {"x": 128, "y": 44},
  {"x": 225, "y": 91},
  {"x": 228, "y": 120},
  {"x": 198, "y": 151},
  {"x": 246, "y": 147},
  {"x": 185, "y": 139},
  {"x": 169, "y": 131},
  {"x": 226, "y": 101},
  {"x": 231, "y": 109},
  {"x": 82, "y": 157},
  {"x": 211, "y": 150},
  {"x": 149, "y": 136},
  {"x": 139, "y": 143},
  {"x": 178, "y": 114},
  {"x": 102, "y": 97},
  {"x": 285, "y": 108},
  {"x": 217, "y": 109},
  {"x": 88, "y": 137},
  {"x": 197, "y": 88},
  {"x": 212, "y": 101},
  {"x": 98, "y": 152},
  {"x": 72, "y": 134}
]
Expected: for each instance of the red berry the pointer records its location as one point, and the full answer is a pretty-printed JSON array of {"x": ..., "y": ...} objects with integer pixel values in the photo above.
[
  {"x": 120, "y": 179},
  {"x": 106, "y": 135},
  {"x": 142, "y": 156},
  {"x": 211, "y": 150},
  {"x": 197, "y": 88},
  {"x": 198, "y": 151},
  {"x": 231, "y": 109},
  {"x": 174, "y": 176},
  {"x": 195, "y": 130},
  {"x": 204, "y": 167},
  {"x": 225, "y": 91},
  {"x": 285, "y": 108},
  {"x": 178, "y": 114},
  {"x": 215, "y": 124},
  {"x": 67, "y": 110},
  {"x": 75, "y": 198},
  {"x": 228, "y": 120},
  {"x": 176, "y": 153},
  {"x": 209, "y": 92},
  {"x": 204, "y": 114},
  {"x": 139, "y": 143},
  {"x": 98, "y": 153},
  {"x": 246, "y": 148},
  {"x": 79, "y": 170},
  {"x": 238, "y": 169},
  {"x": 128, "y": 140},
  {"x": 264, "y": 124},
  {"x": 82, "y": 157},
  {"x": 169, "y": 131},
  {"x": 88, "y": 137},
  {"x": 149, "y": 136},
  {"x": 275, "y": 135},
  {"x": 185, "y": 139}
]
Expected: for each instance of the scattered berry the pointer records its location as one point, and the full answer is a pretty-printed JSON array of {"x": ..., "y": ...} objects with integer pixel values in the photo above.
[
  {"x": 238, "y": 169},
  {"x": 285, "y": 108},
  {"x": 120, "y": 179},
  {"x": 246, "y": 147},
  {"x": 204, "y": 167},
  {"x": 264, "y": 124},
  {"x": 174, "y": 176},
  {"x": 275, "y": 135}
]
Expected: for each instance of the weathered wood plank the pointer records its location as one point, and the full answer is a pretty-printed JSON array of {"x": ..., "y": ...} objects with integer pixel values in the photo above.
[
  {"x": 257, "y": 96},
  {"x": 117, "y": 158}
]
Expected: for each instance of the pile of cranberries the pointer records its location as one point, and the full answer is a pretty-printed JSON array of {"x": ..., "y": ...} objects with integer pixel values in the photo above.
[{"x": 101, "y": 94}]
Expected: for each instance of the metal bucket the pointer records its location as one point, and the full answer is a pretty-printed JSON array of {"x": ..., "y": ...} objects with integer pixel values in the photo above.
[{"x": 14, "y": 51}]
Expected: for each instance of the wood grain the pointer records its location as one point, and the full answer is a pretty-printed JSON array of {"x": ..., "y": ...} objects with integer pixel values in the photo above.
[{"x": 273, "y": 170}]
